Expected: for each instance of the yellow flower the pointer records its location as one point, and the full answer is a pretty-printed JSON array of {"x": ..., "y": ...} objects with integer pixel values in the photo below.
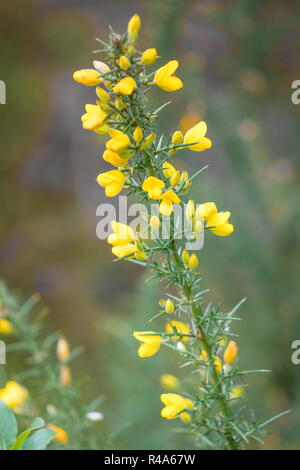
[
  {"x": 124, "y": 62},
  {"x": 169, "y": 308},
  {"x": 6, "y": 327},
  {"x": 114, "y": 158},
  {"x": 134, "y": 24},
  {"x": 167, "y": 200},
  {"x": 89, "y": 77},
  {"x": 185, "y": 257},
  {"x": 206, "y": 210},
  {"x": 219, "y": 224},
  {"x": 13, "y": 394},
  {"x": 60, "y": 434},
  {"x": 126, "y": 86},
  {"x": 177, "y": 138},
  {"x": 174, "y": 405},
  {"x": 62, "y": 349},
  {"x": 154, "y": 222},
  {"x": 168, "y": 169},
  {"x": 165, "y": 79},
  {"x": 175, "y": 326},
  {"x": 151, "y": 343},
  {"x": 196, "y": 135},
  {"x": 174, "y": 180},
  {"x": 230, "y": 352},
  {"x": 148, "y": 141},
  {"x": 169, "y": 382},
  {"x": 118, "y": 142},
  {"x": 149, "y": 56},
  {"x": 123, "y": 234},
  {"x": 124, "y": 250},
  {"x": 103, "y": 96},
  {"x": 93, "y": 118},
  {"x": 138, "y": 134},
  {"x": 237, "y": 392},
  {"x": 113, "y": 182},
  {"x": 153, "y": 186}
]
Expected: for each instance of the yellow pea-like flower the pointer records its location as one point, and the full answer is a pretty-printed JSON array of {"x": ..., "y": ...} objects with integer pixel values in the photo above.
[
  {"x": 102, "y": 67},
  {"x": 60, "y": 434},
  {"x": 148, "y": 141},
  {"x": 206, "y": 210},
  {"x": 165, "y": 79},
  {"x": 113, "y": 182},
  {"x": 93, "y": 118},
  {"x": 124, "y": 63},
  {"x": 217, "y": 361},
  {"x": 149, "y": 56},
  {"x": 185, "y": 417},
  {"x": 193, "y": 261},
  {"x": 153, "y": 186},
  {"x": 118, "y": 142},
  {"x": 138, "y": 134},
  {"x": 179, "y": 327},
  {"x": 150, "y": 343},
  {"x": 124, "y": 250},
  {"x": 167, "y": 200},
  {"x": 174, "y": 180},
  {"x": 177, "y": 138},
  {"x": 174, "y": 405},
  {"x": 169, "y": 307},
  {"x": 230, "y": 352},
  {"x": 122, "y": 234},
  {"x": 6, "y": 327},
  {"x": 102, "y": 94},
  {"x": 168, "y": 169},
  {"x": 126, "y": 86},
  {"x": 89, "y": 77},
  {"x": 169, "y": 382},
  {"x": 219, "y": 225},
  {"x": 196, "y": 135},
  {"x": 13, "y": 394},
  {"x": 114, "y": 159}
]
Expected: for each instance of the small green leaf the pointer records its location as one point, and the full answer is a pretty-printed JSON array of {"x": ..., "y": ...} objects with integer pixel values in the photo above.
[
  {"x": 39, "y": 440},
  {"x": 8, "y": 426},
  {"x": 36, "y": 424}
]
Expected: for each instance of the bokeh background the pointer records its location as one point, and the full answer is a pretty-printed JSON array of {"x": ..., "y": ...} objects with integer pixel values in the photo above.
[{"x": 237, "y": 61}]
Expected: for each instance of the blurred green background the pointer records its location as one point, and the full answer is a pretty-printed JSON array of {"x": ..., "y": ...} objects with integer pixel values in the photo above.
[{"x": 237, "y": 61}]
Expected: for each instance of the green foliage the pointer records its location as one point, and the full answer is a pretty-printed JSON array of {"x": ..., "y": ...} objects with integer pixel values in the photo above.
[{"x": 33, "y": 438}]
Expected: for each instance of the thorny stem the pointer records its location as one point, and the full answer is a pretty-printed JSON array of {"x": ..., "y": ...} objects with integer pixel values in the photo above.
[{"x": 187, "y": 291}]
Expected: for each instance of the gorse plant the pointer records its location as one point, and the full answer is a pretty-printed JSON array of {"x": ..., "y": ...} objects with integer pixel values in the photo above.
[{"x": 143, "y": 164}]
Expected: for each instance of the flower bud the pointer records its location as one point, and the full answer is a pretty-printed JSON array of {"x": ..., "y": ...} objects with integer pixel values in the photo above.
[
  {"x": 148, "y": 141},
  {"x": 119, "y": 104},
  {"x": 149, "y": 56},
  {"x": 169, "y": 308},
  {"x": 177, "y": 138},
  {"x": 185, "y": 257},
  {"x": 65, "y": 378},
  {"x": 169, "y": 382},
  {"x": 231, "y": 352},
  {"x": 138, "y": 134},
  {"x": 154, "y": 222},
  {"x": 141, "y": 255},
  {"x": 185, "y": 417},
  {"x": 184, "y": 177},
  {"x": 60, "y": 434},
  {"x": 62, "y": 349},
  {"x": 133, "y": 27},
  {"x": 101, "y": 67},
  {"x": 124, "y": 62},
  {"x": 193, "y": 261},
  {"x": 102, "y": 94},
  {"x": 190, "y": 210}
]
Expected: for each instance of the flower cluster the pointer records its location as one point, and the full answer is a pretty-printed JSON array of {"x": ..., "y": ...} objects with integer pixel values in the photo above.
[{"x": 143, "y": 165}]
